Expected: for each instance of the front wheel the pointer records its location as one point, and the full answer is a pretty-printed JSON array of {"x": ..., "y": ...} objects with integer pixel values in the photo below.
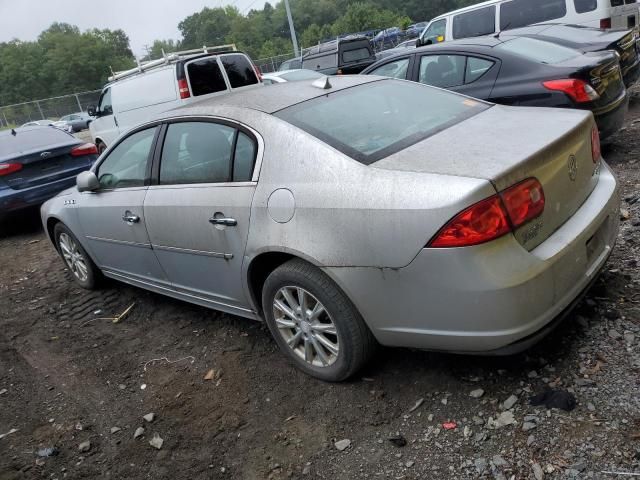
[
  {"x": 314, "y": 323},
  {"x": 84, "y": 271}
]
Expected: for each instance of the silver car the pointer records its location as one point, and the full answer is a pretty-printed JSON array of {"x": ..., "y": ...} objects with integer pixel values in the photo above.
[{"x": 351, "y": 212}]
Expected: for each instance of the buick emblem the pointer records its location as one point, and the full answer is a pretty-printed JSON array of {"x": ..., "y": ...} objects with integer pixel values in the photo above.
[
  {"x": 44, "y": 155},
  {"x": 573, "y": 168}
]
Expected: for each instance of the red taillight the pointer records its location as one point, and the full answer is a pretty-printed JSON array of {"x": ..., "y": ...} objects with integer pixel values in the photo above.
[
  {"x": 7, "y": 168},
  {"x": 258, "y": 72},
  {"x": 578, "y": 90},
  {"x": 605, "y": 23},
  {"x": 84, "y": 149},
  {"x": 596, "y": 151},
  {"x": 480, "y": 223},
  {"x": 493, "y": 217},
  {"x": 524, "y": 201},
  {"x": 183, "y": 88}
]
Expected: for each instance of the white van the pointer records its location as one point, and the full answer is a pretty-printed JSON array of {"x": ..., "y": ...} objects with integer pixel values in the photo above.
[
  {"x": 498, "y": 15},
  {"x": 132, "y": 97}
]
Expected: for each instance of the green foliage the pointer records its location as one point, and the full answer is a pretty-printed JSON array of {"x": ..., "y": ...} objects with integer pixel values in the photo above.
[{"x": 62, "y": 60}]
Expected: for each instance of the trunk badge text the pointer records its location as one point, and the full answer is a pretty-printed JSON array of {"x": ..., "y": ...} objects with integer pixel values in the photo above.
[
  {"x": 45, "y": 155},
  {"x": 573, "y": 168},
  {"x": 69, "y": 202}
]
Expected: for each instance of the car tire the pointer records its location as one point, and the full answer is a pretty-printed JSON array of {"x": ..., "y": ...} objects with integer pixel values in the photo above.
[
  {"x": 82, "y": 269},
  {"x": 330, "y": 341}
]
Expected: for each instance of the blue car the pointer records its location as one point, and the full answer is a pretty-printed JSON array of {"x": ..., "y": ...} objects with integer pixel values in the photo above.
[{"x": 37, "y": 163}]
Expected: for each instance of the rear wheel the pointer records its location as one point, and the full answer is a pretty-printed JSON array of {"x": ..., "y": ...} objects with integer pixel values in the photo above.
[
  {"x": 84, "y": 271},
  {"x": 314, "y": 323}
]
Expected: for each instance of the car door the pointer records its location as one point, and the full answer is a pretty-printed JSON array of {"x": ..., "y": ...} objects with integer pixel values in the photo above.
[
  {"x": 112, "y": 217},
  {"x": 397, "y": 67},
  {"x": 198, "y": 211},
  {"x": 105, "y": 126},
  {"x": 470, "y": 75}
]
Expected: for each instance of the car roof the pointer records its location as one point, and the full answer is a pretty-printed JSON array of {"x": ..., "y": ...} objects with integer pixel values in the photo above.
[
  {"x": 468, "y": 9},
  {"x": 272, "y": 99},
  {"x": 475, "y": 44}
]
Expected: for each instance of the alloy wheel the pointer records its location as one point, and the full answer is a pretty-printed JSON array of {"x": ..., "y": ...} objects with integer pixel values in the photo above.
[
  {"x": 73, "y": 257},
  {"x": 306, "y": 326}
]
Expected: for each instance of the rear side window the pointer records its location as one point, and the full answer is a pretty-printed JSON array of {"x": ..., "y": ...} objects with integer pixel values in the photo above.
[
  {"x": 538, "y": 50},
  {"x": 355, "y": 55},
  {"x": 239, "y": 70},
  {"x": 205, "y": 77},
  {"x": 476, "y": 23},
  {"x": 584, "y": 6},
  {"x": 372, "y": 121},
  {"x": 476, "y": 68},
  {"x": 520, "y": 13}
]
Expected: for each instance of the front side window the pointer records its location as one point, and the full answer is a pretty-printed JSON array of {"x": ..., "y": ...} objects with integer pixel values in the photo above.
[
  {"x": 239, "y": 70},
  {"x": 475, "y": 23},
  {"x": 442, "y": 71},
  {"x": 126, "y": 165},
  {"x": 203, "y": 152},
  {"x": 104, "y": 106},
  {"x": 436, "y": 31},
  {"x": 584, "y": 6},
  {"x": 205, "y": 77},
  {"x": 383, "y": 118},
  {"x": 395, "y": 69},
  {"x": 520, "y": 13}
]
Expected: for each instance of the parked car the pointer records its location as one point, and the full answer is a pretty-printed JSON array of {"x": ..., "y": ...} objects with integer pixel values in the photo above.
[
  {"x": 519, "y": 71},
  {"x": 590, "y": 39},
  {"x": 289, "y": 76},
  {"x": 388, "y": 37},
  {"x": 402, "y": 47},
  {"x": 132, "y": 97},
  {"x": 38, "y": 162},
  {"x": 350, "y": 211},
  {"x": 498, "y": 15},
  {"x": 291, "y": 64},
  {"x": 346, "y": 55},
  {"x": 416, "y": 29},
  {"x": 76, "y": 122},
  {"x": 39, "y": 123}
]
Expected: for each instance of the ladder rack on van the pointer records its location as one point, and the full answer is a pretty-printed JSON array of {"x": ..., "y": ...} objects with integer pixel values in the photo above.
[{"x": 169, "y": 58}]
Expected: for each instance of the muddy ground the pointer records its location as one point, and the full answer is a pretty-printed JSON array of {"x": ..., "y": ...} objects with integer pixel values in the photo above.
[{"x": 67, "y": 377}]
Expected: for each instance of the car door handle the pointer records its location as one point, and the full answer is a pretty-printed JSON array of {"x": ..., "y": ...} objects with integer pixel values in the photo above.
[
  {"x": 227, "y": 222},
  {"x": 129, "y": 217}
]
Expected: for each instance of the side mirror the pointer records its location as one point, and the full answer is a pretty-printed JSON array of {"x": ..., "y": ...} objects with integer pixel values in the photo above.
[
  {"x": 87, "y": 182},
  {"x": 419, "y": 42},
  {"x": 91, "y": 110}
]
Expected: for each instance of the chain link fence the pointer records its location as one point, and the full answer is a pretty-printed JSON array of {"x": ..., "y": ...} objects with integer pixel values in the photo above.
[{"x": 47, "y": 108}]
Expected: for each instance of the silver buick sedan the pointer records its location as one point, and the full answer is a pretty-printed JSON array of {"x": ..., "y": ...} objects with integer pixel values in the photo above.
[{"x": 351, "y": 212}]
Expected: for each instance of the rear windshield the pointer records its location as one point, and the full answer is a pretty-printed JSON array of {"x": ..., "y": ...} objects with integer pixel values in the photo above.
[
  {"x": 205, "y": 77},
  {"x": 538, "y": 50},
  {"x": 372, "y": 121},
  {"x": 519, "y": 13},
  {"x": 355, "y": 55},
  {"x": 239, "y": 70},
  {"x": 27, "y": 139}
]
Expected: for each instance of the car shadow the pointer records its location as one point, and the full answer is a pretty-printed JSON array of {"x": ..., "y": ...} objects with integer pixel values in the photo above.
[{"x": 22, "y": 222}]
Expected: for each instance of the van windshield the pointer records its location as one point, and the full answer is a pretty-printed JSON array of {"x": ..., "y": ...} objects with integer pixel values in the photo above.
[
  {"x": 372, "y": 121},
  {"x": 538, "y": 50}
]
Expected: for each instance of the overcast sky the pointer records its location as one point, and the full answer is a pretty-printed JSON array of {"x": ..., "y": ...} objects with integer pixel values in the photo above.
[{"x": 143, "y": 20}]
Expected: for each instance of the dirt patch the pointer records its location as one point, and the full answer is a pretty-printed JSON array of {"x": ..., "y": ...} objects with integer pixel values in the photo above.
[{"x": 70, "y": 377}]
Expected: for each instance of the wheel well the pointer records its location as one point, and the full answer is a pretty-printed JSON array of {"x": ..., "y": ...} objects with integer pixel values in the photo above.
[
  {"x": 51, "y": 225},
  {"x": 259, "y": 270}
]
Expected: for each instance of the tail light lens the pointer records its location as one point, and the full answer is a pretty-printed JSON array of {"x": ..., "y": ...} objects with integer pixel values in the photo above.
[
  {"x": 183, "y": 88},
  {"x": 85, "y": 149},
  {"x": 493, "y": 217},
  {"x": 524, "y": 201},
  {"x": 578, "y": 90},
  {"x": 7, "y": 168},
  {"x": 596, "y": 151},
  {"x": 605, "y": 23}
]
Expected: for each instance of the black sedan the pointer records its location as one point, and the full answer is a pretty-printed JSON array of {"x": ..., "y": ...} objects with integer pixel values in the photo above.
[
  {"x": 37, "y": 163},
  {"x": 589, "y": 39},
  {"x": 519, "y": 71}
]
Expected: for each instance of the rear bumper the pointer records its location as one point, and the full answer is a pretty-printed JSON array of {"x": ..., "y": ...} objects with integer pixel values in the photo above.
[
  {"x": 613, "y": 120},
  {"x": 11, "y": 200},
  {"x": 492, "y": 298}
]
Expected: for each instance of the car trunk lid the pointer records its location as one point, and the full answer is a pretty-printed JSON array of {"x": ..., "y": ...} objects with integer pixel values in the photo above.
[{"x": 553, "y": 146}]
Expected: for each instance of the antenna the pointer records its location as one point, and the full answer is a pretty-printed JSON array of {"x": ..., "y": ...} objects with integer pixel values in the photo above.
[{"x": 13, "y": 132}]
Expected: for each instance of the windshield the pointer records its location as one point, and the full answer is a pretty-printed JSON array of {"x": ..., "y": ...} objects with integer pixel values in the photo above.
[
  {"x": 372, "y": 121},
  {"x": 538, "y": 50}
]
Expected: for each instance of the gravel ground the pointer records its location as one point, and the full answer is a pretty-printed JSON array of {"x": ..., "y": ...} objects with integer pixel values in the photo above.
[{"x": 80, "y": 385}]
